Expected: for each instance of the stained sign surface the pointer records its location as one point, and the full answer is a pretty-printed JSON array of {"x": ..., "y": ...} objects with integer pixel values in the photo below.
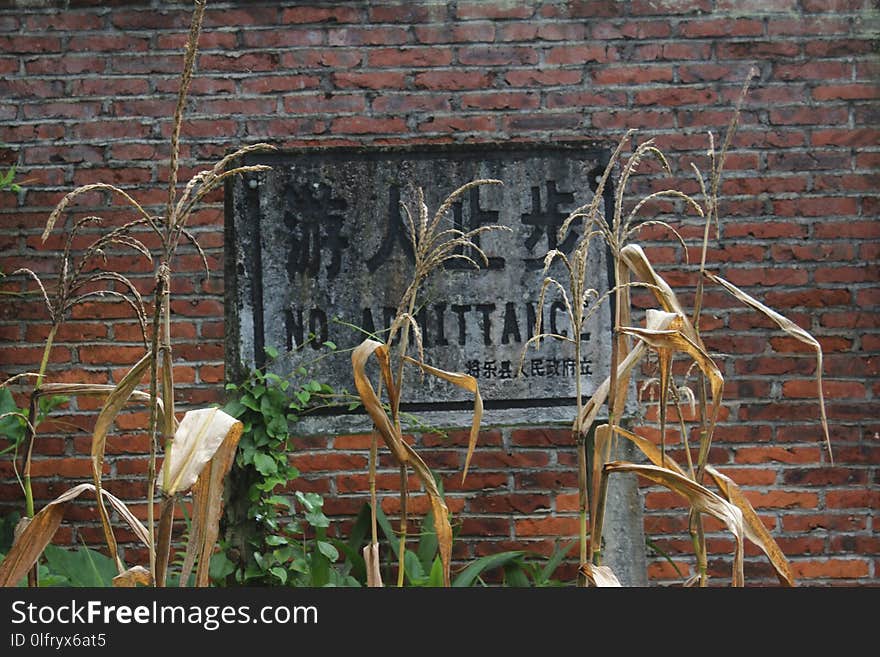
[{"x": 318, "y": 251}]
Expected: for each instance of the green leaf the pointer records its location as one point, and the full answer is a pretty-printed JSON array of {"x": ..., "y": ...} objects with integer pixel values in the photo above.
[
  {"x": 390, "y": 535},
  {"x": 220, "y": 567},
  {"x": 250, "y": 402},
  {"x": 11, "y": 427},
  {"x": 279, "y": 573},
  {"x": 275, "y": 541},
  {"x": 328, "y": 550},
  {"x": 476, "y": 568},
  {"x": 428, "y": 545},
  {"x": 435, "y": 578},
  {"x": 515, "y": 576},
  {"x": 82, "y": 567},
  {"x": 265, "y": 464},
  {"x": 317, "y": 519},
  {"x": 234, "y": 408},
  {"x": 320, "y": 570},
  {"x": 413, "y": 569},
  {"x": 553, "y": 563},
  {"x": 271, "y": 352}
]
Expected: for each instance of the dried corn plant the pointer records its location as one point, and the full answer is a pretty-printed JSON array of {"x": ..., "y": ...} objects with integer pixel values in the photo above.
[
  {"x": 433, "y": 245},
  {"x": 669, "y": 332},
  {"x": 198, "y": 450}
]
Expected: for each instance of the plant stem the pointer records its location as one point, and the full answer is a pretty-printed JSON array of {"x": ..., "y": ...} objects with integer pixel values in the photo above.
[
  {"x": 154, "y": 412},
  {"x": 599, "y": 520},
  {"x": 403, "y": 526},
  {"x": 374, "y": 456}
]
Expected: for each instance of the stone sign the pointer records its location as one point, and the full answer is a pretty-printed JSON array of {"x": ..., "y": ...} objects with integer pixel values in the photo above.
[{"x": 318, "y": 251}]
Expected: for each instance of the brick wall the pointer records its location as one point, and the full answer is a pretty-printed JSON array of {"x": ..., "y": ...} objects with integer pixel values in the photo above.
[{"x": 89, "y": 90}]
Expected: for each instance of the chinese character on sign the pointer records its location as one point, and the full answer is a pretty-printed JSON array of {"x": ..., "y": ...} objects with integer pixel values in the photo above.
[
  {"x": 395, "y": 232},
  {"x": 476, "y": 217},
  {"x": 547, "y": 222},
  {"x": 314, "y": 218}
]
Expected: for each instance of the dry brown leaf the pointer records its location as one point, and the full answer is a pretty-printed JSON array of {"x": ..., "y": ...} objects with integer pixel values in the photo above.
[
  {"x": 634, "y": 258},
  {"x": 676, "y": 340},
  {"x": 112, "y": 405},
  {"x": 701, "y": 498},
  {"x": 601, "y": 454},
  {"x": 600, "y": 576},
  {"x": 133, "y": 577},
  {"x": 755, "y": 530},
  {"x": 791, "y": 329},
  {"x": 468, "y": 383},
  {"x": 402, "y": 452},
  {"x": 371, "y": 559},
  {"x": 654, "y": 320},
  {"x": 163, "y": 542},
  {"x": 207, "y": 508},
  {"x": 198, "y": 437},
  {"x": 33, "y": 539},
  {"x": 650, "y": 450}
]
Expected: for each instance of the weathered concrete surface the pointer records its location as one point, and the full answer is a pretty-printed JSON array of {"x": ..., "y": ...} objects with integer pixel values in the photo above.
[{"x": 320, "y": 244}]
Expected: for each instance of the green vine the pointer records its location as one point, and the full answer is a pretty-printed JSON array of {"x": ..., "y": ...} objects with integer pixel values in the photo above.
[{"x": 273, "y": 536}]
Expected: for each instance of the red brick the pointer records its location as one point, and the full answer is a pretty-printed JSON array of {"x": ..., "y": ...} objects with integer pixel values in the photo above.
[
  {"x": 723, "y": 27},
  {"x": 405, "y": 57},
  {"x": 845, "y": 92},
  {"x": 330, "y": 14},
  {"x": 367, "y": 36},
  {"x": 852, "y": 499},
  {"x": 364, "y": 125},
  {"x": 499, "y": 100},
  {"x": 464, "y": 32},
  {"x": 546, "y": 527},
  {"x": 672, "y": 51},
  {"x": 752, "y": 49},
  {"x": 458, "y": 123},
  {"x": 663, "y": 7},
  {"x": 488, "y": 10},
  {"x": 370, "y": 80},
  {"x": 830, "y": 568},
  {"x": 580, "y": 54},
  {"x": 497, "y": 56},
  {"x": 813, "y": 70},
  {"x": 549, "y": 78},
  {"x": 623, "y": 74},
  {"x": 451, "y": 80},
  {"x": 777, "y": 454}
]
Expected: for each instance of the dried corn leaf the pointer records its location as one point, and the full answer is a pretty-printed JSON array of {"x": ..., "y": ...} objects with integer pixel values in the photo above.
[
  {"x": 634, "y": 258},
  {"x": 468, "y": 383},
  {"x": 701, "y": 498},
  {"x": 402, "y": 452},
  {"x": 207, "y": 508},
  {"x": 134, "y": 576},
  {"x": 791, "y": 329},
  {"x": 650, "y": 450},
  {"x": 676, "y": 340},
  {"x": 199, "y": 436},
  {"x": 371, "y": 559},
  {"x": 601, "y": 454},
  {"x": 755, "y": 530},
  {"x": 163, "y": 542},
  {"x": 112, "y": 405},
  {"x": 600, "y": 576},
  {"x": 33, "y": 539},
  {"x": 655, "y": 320}
]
